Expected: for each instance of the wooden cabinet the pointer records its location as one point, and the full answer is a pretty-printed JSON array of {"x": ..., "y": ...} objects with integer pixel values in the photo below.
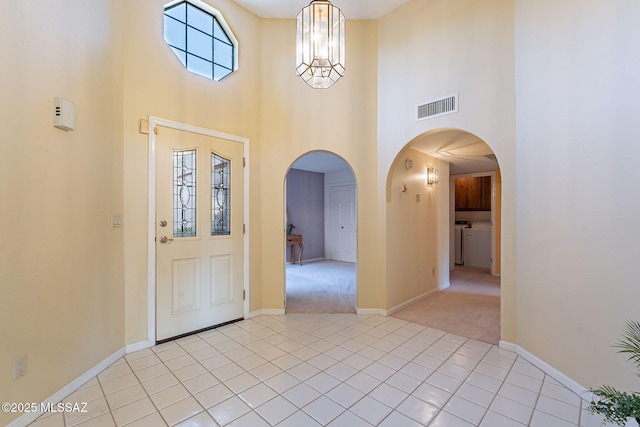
[{"x": 473, "y": 194}]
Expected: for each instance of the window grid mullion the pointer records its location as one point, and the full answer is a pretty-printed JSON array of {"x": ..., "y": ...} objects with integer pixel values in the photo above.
[
  {"x": 189, "y": 54},
  {"x": 213, "y": 45}
]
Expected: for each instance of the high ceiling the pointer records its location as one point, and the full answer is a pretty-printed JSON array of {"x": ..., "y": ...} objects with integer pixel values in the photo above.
[
  {"x": 352, "y": 9},
  {"x": 465, "y": 152}
]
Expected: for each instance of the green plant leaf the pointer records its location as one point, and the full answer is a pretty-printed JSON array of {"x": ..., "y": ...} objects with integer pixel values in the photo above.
[
  {"x": 616, "y": 406},
  {"x": 630, "y": 343}
]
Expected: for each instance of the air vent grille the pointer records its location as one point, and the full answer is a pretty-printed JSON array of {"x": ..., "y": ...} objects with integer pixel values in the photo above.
[{"x": 438, "y": 107}]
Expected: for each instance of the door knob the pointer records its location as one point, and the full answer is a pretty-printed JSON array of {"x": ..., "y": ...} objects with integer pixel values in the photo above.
[{"x": 165, "y": 239}]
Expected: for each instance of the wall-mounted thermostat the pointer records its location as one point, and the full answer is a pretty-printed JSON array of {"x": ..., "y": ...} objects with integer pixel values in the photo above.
[{"x": 64, "y": 116}]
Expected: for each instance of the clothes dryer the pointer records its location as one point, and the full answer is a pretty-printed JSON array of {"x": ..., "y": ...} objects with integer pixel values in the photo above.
[{"x": 477, "y": 245}]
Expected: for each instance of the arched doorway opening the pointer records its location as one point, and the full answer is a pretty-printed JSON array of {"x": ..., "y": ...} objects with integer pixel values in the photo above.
[
  {"x": 436, "y": 286},
  {"x": 320, "y": 222}
]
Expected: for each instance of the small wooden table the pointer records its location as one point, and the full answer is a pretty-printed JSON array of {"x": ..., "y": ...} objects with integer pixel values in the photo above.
[{"x": 293, "y": 240}]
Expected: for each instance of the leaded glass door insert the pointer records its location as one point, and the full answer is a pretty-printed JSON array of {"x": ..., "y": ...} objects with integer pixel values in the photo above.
[
  {"x": 220, "y": 195},
  {"x": 184, "y": 193}
]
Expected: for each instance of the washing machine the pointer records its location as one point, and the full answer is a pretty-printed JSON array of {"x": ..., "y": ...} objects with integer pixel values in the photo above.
[
  {"x": 460, "y": 225},
  {"x": 476, "y": 242}
]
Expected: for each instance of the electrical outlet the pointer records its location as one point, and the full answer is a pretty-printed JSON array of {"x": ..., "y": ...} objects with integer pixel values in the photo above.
[{"x": 19, "y": 367}]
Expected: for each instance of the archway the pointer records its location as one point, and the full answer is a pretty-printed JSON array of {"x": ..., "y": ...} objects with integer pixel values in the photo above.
[
  {"x": 421, "y": 225},
  {"x": 320, "y": 221}
]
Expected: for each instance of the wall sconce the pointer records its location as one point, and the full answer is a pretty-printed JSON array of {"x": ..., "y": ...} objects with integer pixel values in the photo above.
[{"x": 432, "y": 176}]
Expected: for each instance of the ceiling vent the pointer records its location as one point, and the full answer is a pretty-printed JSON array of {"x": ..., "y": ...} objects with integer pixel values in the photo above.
[{"x": 438, "y": 107}]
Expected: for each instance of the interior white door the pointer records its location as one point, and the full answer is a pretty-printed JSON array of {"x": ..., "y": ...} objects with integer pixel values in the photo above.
[
  {"x": 342, "y": 222},
  {"x": 199, "y": 232}
]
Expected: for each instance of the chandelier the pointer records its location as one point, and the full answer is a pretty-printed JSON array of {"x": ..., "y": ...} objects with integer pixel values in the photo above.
[{"x": 320, "y": 49}]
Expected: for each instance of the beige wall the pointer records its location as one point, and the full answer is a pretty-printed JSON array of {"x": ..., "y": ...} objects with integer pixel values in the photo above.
[
  {"x": 277, "y": 111},
  {"x": 157, "y": 84},
  {"x": 62, "y": 302},
  {"x": 417, "y": 229},
  {"x": 297, "y": 119},
  {"x": 75, "y": 289},
  {"x": 498, "y": 223},
  {"x": 577, "y": 253},
  {"x": 429, "y": 49}
]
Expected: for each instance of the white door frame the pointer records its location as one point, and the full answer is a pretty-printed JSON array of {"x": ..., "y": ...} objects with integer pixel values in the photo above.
[{"x": 151, "y": 219}]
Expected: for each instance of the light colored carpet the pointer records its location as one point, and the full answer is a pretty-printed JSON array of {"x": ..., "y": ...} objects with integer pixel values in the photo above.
[
  {"x": 321, "y": 287},
  {"x": 470, "y": 307}
]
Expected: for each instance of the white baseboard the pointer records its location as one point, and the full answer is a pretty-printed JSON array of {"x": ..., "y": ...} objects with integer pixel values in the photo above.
[
  {"x": 506, "y": 345},
  {"x": 130, "y": 348},
  {"x": 371, "y": 311},
  {"x": 253, "y": 314},
  {"x": 310, "y": 260},
  {"x": 415, "y": 299},
  {"x": 267, "y": 312},
  {"x": 65, "y": 391},
  {"x": 569, "y": 383}
]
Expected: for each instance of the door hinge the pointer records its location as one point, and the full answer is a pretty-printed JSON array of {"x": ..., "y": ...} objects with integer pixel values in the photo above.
[
  {"x": 244, "y": 162},
  {"x": 155, "y": 130},
  {"x": 244, "y": 229},
  {"x": 244, "y": 295}
]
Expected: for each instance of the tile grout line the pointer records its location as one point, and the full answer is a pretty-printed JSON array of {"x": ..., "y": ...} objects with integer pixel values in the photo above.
[
  {"x": 351, "y": 336},
  {"x": 472, "y": 371},
  {"x": 439, "y": 410},
  {"x": 222, "y": 382},
  {"x": 500, "y": 388},
  {"x": 105, "y": 396},
  {"x": 341, "y": 382},
  {"x": 464, "y": 381},
  {"x": 333, "y": 388},
  {"x": 146, "y": 392}
]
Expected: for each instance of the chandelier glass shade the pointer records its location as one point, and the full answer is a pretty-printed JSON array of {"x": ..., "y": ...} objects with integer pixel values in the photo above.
[{"x": 320, "y": 44}]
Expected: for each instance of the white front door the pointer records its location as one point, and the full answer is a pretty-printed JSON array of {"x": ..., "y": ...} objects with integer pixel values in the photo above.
[
  {"x": 342, "y": 222},
  {"x": 199, "y": 232}
]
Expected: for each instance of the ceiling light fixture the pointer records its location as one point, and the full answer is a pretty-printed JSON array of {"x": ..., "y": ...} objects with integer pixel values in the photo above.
[{"x": 320, "y": 45}]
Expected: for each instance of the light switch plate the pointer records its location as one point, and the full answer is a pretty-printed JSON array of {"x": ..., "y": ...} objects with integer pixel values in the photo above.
[{"x": 116, "y": 221}]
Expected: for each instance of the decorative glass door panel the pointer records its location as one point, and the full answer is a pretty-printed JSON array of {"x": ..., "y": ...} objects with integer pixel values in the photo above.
[
  {"x": 220, "y": 196},
  {"x": 184, "y": 193}
]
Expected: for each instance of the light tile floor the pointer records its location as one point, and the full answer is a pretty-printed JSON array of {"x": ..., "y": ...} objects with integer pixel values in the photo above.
[{"x": 311, "y": 370}]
